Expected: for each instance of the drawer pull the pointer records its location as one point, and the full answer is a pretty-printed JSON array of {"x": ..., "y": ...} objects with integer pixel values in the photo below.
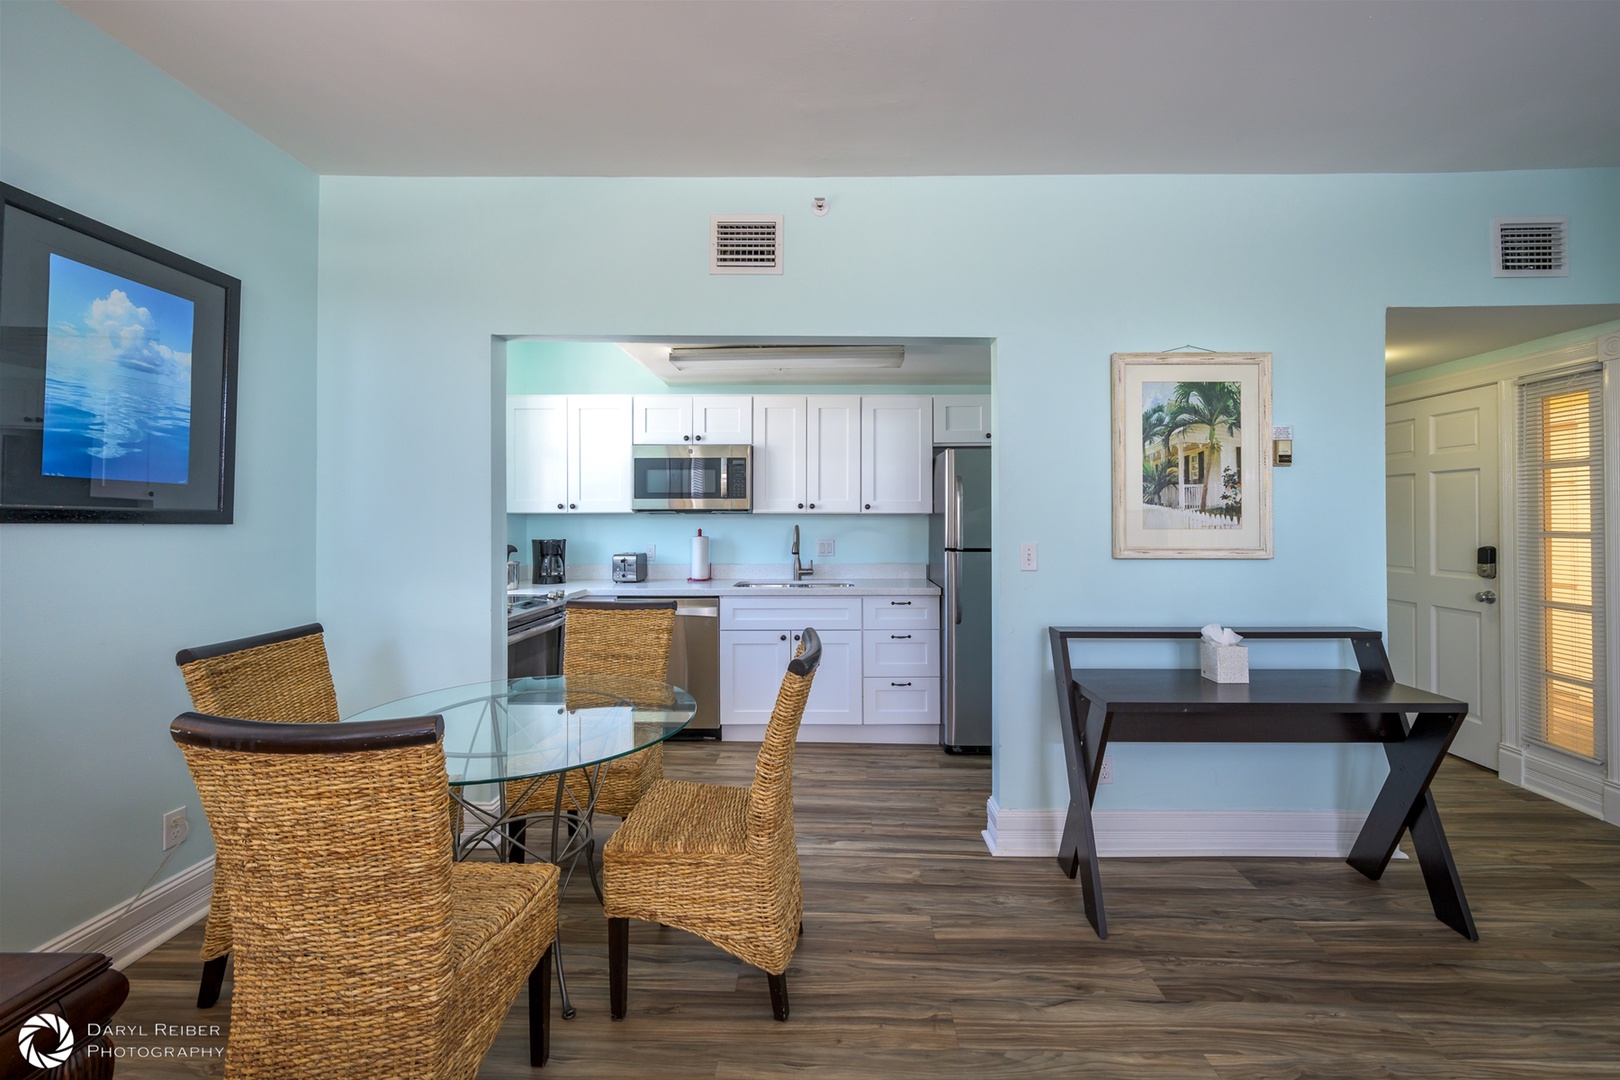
[
  {"x": 899, "y": 684},
  {"x": 899, "y": 637},
  {"x": 899, "y": 603}
]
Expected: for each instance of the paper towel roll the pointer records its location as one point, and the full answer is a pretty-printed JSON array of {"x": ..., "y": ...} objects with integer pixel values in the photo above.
[{"x": 700, "y": 557}]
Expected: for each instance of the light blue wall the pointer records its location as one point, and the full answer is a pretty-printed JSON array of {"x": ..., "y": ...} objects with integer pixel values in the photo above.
[
  {"x": 91, "y": 615},
  {"x": 417, "y": 274},
  {"x": 579, "y": 367}
]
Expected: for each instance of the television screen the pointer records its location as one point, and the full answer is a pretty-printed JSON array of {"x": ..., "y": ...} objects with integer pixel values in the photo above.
[{"x": 117, "y": 370}]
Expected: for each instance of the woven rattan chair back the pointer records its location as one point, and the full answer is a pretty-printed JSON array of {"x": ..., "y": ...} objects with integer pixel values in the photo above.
[
  {"x": 618, "y": 639},
  {"x": 316, "y": 900},
  {"x": 281, "y": 676},
  {"x": 770, "y": 799}
]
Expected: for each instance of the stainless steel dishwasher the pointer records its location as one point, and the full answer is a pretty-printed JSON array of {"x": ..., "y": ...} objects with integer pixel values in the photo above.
[{"x": 694, "y": 659}]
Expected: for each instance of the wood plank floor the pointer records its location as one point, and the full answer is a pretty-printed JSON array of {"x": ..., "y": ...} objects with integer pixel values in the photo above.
[{"x": 924, "y": 957}]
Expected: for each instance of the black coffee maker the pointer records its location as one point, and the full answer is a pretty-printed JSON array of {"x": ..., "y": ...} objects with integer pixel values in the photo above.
[{"x": 548, "y": 562}]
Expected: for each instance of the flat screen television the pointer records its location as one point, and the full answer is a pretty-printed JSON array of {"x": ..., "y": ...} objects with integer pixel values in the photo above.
[{"x": 117, "y": 374}]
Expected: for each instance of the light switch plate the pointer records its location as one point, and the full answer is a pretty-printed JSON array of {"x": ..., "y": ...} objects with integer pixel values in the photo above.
[{"x": 1027, "y": 557}]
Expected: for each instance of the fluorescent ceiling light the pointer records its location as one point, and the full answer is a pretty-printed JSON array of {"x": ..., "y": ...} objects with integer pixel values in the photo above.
[{"x": 742, "y": 358}]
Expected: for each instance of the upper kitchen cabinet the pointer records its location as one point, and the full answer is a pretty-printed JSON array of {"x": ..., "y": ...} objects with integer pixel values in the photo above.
[
  {"x": 962, "y": 420},
  {"x": 897, "y": 474},
  {"x": 807, "y": 454},
  {"x": 673, "y": 419},
  {"x": 568, "y": 454}
]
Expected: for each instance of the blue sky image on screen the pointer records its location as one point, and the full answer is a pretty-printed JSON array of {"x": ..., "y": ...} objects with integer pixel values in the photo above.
[{"x": 117, "y": 378}]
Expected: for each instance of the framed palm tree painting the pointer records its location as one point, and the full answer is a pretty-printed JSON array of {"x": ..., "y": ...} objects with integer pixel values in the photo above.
[{"x": 1192, "y": 471}]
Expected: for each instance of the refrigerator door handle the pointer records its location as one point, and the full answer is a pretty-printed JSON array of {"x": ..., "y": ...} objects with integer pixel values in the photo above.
[
  {"x": 956, "y": 517},
  {"x": 956, "y": 584}
]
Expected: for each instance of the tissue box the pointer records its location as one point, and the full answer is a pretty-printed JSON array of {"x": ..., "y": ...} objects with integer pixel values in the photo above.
[{"x": 1223, "y": 663}]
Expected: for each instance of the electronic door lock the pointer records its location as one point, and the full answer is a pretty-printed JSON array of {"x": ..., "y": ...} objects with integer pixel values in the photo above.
[{"x": 1487, "y": 562}]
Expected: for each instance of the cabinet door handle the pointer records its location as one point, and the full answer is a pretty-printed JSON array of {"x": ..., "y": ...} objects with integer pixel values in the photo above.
[
  {"x": 559, "y": 506},
  {"x": 812, "y": 506},
  {"x": 697, "y": 438},
  {"x": 899, "y": 684},
  {"x": 801, "y": 506},
  {"x": 868, "y": 506},
  {"x": 899, "y": 637},
  {"x": 573, "y": 506},
  {"x": 686, "y": 438},
  {"x": 899, "y": 603},
  {"x": 795, "y": 637},
  {"x": 784, "y": 637}
]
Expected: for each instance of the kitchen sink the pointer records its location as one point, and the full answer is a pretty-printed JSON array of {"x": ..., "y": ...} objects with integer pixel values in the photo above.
[{"x": 793, "y": 585}]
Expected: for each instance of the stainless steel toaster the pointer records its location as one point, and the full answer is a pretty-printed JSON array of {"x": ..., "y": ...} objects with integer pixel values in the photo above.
[{"x": 630, "y": 566}]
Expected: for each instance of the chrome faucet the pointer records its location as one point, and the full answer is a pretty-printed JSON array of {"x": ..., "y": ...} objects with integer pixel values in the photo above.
[{"x": 800, "y": 572}]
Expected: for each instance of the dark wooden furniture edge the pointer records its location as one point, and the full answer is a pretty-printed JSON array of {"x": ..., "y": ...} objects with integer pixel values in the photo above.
[{"x": 83, "y": 988}]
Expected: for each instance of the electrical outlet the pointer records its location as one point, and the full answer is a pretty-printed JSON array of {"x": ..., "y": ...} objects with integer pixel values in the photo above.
[
  {"x": 826, "y": 547},
  {"x": 652, "y": 549},
  {"x": 1106, "y": 774},
  {"x": 1026, "y": 557},
  {"x": 175, "y": 828}
]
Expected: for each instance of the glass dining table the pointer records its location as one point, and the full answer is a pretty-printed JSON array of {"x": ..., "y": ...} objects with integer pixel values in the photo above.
[{"x": 503, "y": 739}]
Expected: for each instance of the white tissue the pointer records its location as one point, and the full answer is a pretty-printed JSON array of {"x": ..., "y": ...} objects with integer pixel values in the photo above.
[{"x": 1216, "y": 634}]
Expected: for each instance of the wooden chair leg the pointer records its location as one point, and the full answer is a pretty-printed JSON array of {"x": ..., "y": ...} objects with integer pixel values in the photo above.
[
  {"x": 779, "y": 999},
  {"x": 213, "y": 977},
  {"x": 540, "y": 1011},
  {"x": 618, "y": 967}
]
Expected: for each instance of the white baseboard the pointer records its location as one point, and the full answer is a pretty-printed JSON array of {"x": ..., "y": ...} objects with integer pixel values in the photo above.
[
  {"x": 1574, "y": 785},
  {"x": 127, "y": 932},
  {"x": 1148, "y": 833},
  {"x": 913, "y": 734},
  {"x": 1611, "y": 802}
]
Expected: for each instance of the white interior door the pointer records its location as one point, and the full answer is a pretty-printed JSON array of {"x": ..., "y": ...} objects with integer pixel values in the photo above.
[{"x": 1441, "y": 505}]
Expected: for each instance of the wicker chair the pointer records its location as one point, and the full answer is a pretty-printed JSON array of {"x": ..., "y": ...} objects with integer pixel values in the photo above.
[
  {"x": 718, "y": 861},
  {"x": 281, "y": 677},
  {"x": 354, "y": 958},
  {"x": 611, "y": 638}
]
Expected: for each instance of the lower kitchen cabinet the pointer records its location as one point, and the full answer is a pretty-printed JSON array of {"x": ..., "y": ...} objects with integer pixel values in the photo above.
[
  {"x": 752, "y": 663},
  {"x": 900, "y": 701},
  {"x": 883, "y": 677}
]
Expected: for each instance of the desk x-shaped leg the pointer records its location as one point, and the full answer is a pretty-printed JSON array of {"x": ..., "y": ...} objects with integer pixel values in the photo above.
[
  {"x": 1404, "y": 804},
  {"x": 1084, "y": 734}
]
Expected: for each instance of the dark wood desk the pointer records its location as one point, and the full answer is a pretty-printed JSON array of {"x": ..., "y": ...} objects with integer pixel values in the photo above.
[
  {"x": 1282, "y": 705},
  {"x": 81, "y": 988}
]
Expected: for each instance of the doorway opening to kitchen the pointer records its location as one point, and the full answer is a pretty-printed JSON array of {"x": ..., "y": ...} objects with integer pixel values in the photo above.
[{"x": 837, "y": 440}]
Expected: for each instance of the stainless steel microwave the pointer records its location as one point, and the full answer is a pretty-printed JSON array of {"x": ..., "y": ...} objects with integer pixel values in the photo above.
[{"x": 693, "y": 478}]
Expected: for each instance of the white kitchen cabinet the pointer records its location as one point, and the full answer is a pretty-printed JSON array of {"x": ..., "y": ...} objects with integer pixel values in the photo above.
[
  {"x": 807, "y": 454},
  {"x": 673, "y": 419},
  {"x": 885, "y": 676},
  {"x": 568, "y": 454},
  {"x": 752, "y": 663},
  {"x": 897, "y": 463},
  {"x": 900, "y": 701},
  {"x": 536, "y": 454},
  {"x": 961, "y": 419}
]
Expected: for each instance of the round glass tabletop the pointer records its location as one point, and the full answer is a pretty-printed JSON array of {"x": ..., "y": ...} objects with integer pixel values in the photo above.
[{"x": 522, "y": 728}]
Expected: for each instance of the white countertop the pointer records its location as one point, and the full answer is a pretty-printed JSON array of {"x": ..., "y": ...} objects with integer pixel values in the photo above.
[{"x": 727, "y": 587}]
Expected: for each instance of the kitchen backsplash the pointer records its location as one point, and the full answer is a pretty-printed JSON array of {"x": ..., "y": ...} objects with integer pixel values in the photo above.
[{"x": 733, "y": 538}]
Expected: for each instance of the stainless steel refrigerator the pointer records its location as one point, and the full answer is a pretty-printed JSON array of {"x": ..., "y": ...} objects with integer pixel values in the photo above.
[{"x": 959, "y": 563}]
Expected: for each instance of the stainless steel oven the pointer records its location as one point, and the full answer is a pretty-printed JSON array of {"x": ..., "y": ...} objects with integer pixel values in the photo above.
[
  {"x": 534, "y": 637},
  {"x": 712, "y": 477}
]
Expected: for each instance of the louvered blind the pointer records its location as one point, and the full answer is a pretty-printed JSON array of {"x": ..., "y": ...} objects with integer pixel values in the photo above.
[{"x": 1562, "y": 702}]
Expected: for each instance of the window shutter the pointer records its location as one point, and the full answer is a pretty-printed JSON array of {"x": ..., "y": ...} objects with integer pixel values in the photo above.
[{"x": 1562, "y": 695}]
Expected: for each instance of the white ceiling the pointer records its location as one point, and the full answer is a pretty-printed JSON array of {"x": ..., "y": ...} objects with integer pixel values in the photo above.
[
  {"x": 818, "y": 88},
  {"x": 1422, "y": 337}
]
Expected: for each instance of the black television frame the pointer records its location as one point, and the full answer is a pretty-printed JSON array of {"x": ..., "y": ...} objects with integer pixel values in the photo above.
[{"x": 218, "y": 299}]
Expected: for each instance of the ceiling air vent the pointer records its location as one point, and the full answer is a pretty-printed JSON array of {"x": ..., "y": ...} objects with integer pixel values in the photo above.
[
  {"x": 745, "y": 244},
  {"x": 1531, "y": 247}
]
